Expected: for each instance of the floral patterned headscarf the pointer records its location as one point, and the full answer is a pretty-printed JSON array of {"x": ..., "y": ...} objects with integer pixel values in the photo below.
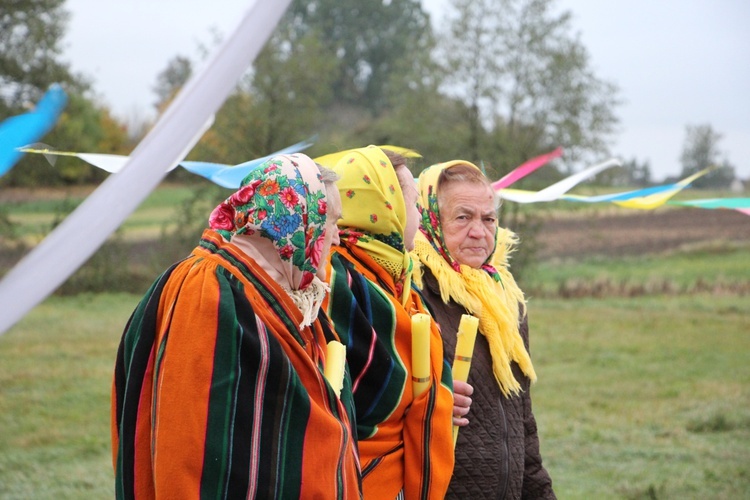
[
  {"x": 280, "y": 208},
  {"x": 374, "y": 211}
]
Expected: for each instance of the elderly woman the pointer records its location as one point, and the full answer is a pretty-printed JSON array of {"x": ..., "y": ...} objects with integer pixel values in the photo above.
[
  {"x": 465, "y": 260},
  {"x": 219, "y": 389},
  {"x": 404, "y": 440}
]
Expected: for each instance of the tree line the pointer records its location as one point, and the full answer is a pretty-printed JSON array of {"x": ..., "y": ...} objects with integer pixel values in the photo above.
[{"x": 499, "y": 82}]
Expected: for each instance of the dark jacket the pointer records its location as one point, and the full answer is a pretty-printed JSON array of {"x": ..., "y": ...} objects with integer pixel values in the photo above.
[{"x": 497, "y": 454}]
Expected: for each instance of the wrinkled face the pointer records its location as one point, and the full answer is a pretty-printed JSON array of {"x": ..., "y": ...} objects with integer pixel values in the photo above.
[
  {"x": 409, "y": 188},
  {"x": 331, "y": 236},
  {"x": 468, "y": 219}
]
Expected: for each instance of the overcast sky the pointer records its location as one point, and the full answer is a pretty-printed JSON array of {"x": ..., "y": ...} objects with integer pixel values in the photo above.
[{"x": 676, "y": 62}]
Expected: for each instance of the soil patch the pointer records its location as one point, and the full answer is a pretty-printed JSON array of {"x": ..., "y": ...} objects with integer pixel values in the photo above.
[{"x": 636, "y": 233}]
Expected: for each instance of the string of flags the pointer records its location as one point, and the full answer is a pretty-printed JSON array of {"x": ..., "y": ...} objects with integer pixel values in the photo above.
[
  {"x": 230, "y": 176},
  {"x": 20, "y": 135}
]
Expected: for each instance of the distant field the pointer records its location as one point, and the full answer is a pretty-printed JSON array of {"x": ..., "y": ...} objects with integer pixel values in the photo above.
[
  {"x": 621, "y": 232},
  {"x": 569, "y": 232},
  {"x": 34, "y": 212}
]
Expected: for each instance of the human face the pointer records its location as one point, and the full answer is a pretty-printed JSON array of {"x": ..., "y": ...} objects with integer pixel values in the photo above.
[
  {"x": 468, "y": 219},
  {"x": 331, "y": 237},
  {"x": 409, "y": 188}
]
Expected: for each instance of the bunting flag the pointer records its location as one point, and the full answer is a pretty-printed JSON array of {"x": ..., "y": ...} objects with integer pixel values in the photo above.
[
  {"x": 41, "y": 271},
  {"x": 655, "y": 200},
  {"x": 741, "y": 205},
  {"x": 331, "y": 159},
  {"x": 18, "y": 131},
  {"x": 228, "y": 176},
  {"x": 109, "y": 162},
  {"x": 526, "y": 168},
  {"x": 558, "y": 189},
  {"x": 645, "y": 199},
  {"x": 622, "y": 196}
]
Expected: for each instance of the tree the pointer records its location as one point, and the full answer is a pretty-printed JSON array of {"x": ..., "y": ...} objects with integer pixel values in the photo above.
[
  {"x": 171, "y": 80},
  {"x": 281, "y": 102},
  {"x": 631, "y": 174},
  {"x": 368, "y": 39},
  {"x": 701, "y": 150},
  {"x": 639, "y": 174},
  {"x": 30, "y": 35},
  {"x": 523, "y": 75}
]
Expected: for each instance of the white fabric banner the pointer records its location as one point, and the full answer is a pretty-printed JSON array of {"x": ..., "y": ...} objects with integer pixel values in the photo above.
[
  {"x": 558, "y": 189},
  {"x": 68, "y": 247}
]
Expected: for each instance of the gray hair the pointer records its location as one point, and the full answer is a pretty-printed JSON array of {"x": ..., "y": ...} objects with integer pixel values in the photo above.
[
  {"x": 327, "y": 175},
  {"x": 469, "y": 174}
]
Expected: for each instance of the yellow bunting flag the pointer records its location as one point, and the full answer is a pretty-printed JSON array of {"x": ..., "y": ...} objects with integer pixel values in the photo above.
[
  {"x": 467, "y": 334},
  {"x": 331, "y": 159},
  {"x": 420, "y": 352},
  {"x": 335, "y": 361}
]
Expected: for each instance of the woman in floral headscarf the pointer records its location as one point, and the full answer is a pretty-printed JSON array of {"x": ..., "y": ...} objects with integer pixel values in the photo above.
[
  {"x": 465, "y": 260},
  {"x": 219, "y": 389},
  {"x": 405, "y": 441}
]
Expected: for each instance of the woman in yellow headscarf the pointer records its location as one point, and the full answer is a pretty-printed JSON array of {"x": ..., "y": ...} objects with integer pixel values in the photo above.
[
  {"x": 465, "y": 260},
  {"x": 405, "y": 442}
]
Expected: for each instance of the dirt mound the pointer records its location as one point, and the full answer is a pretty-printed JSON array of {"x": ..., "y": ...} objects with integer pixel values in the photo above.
[{"x": 637, "y": 233}]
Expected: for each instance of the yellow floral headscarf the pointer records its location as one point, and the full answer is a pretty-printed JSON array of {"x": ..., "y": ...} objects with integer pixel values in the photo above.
[
  {"x": 374, "y": 213},
  {"x": 489, "y": 293}
]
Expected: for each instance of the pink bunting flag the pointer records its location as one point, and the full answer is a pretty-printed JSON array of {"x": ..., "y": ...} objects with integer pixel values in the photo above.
[{"x": 526, "y": 168}]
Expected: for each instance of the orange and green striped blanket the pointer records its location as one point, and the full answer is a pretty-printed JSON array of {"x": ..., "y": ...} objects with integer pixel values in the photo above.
[
  {"x": 404, "y": 443},
  {"x": 218, "y": 393}
]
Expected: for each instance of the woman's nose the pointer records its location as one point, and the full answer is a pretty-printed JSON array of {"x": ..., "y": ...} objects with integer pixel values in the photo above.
[{"x": 476, "y": 229}]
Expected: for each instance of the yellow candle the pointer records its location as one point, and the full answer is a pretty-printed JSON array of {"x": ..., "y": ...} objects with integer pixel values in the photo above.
[
  {"x": 420, "y": 352},
  {"x": 465, "y": 337},
  {"x": 334, "y": 369}
]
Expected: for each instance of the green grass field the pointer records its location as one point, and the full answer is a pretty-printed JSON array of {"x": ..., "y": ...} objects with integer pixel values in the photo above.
[
  {"x": 637, "y": 398},
  {"x": 640, "y": 395},
  {"x": 644, "y": 398},
  {"x": 35, "y": 214},
  {"x": 718, "y": 267}
]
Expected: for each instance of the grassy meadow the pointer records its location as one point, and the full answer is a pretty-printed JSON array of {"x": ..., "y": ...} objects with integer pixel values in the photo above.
[
  {"x": 640, "y": 395},
  {"x": 643, "y": 397}
]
